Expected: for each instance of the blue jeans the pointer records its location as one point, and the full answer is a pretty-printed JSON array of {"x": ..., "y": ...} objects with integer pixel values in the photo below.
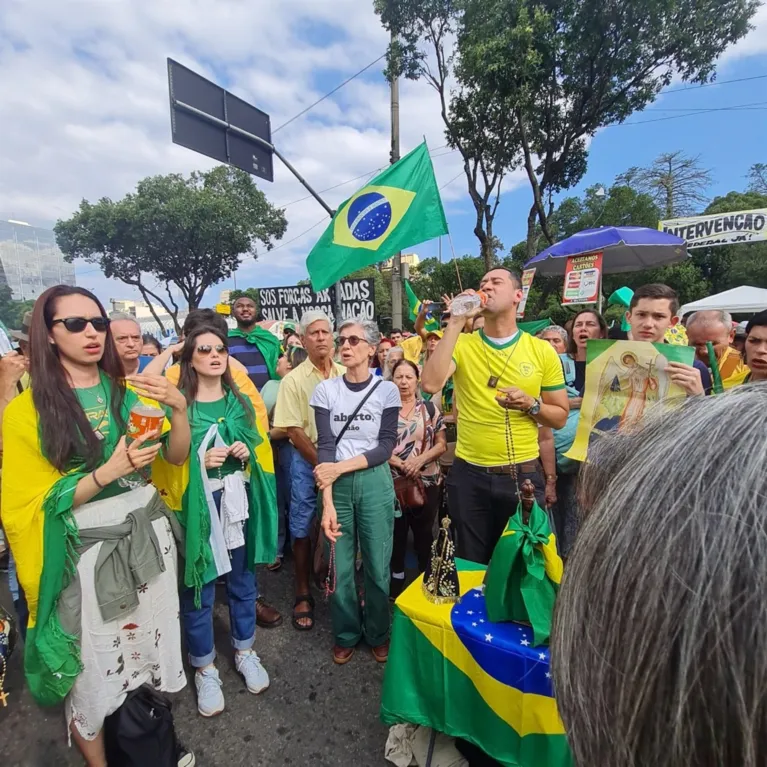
[
  {"x": 283, "y": 458},
  {"x": 241, "y": 591},
  {"x": 303, "y": 496}
]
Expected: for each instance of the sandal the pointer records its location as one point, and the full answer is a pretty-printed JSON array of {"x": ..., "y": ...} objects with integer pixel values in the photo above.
[
  {"x": 275, "y": 566},
  {"x": 300, "y": 599}
]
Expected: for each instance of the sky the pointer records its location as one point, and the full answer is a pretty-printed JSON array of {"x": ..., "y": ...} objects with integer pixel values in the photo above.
[{"x": 84, "y": 91}]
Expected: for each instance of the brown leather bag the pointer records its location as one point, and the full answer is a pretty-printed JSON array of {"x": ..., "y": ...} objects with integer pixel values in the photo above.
[{"x": 411, "y": 493}]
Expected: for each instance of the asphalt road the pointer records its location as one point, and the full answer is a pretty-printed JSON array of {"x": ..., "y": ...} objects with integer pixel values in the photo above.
[{"x": 315, "y": 714}]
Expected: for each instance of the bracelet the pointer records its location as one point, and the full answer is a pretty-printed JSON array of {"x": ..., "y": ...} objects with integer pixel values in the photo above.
[
  {"x": 96, "y": 482},
  {"x": 551, "y": 477}
]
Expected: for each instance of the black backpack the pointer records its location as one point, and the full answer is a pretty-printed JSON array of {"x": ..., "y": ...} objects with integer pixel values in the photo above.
[{"x": 141, "y": 733}]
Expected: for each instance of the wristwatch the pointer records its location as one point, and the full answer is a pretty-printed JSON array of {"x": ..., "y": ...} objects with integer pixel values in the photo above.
[{"x": 535, "y": 408}]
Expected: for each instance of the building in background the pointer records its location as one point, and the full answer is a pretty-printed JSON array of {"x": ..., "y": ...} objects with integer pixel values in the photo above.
[
  {"x": 411, "y": 259},
  {"x": 30, "y": 260},
  {"x": 148, "y": 324}
]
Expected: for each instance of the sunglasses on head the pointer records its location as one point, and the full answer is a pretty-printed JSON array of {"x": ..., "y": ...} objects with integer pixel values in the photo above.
[
  {"x": 353, "y": 340},
  {"x": 206, "y": 349},
  {"x": 78, "y": 324}
]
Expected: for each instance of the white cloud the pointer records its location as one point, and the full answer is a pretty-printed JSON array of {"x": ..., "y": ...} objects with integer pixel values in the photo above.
[
  {"x": 754, "y": 43},
  {"x": 87, "y": 90}
]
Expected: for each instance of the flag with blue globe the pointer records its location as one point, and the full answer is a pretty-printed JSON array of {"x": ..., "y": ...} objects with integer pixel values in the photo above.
[{"x": 398, "y": 209}]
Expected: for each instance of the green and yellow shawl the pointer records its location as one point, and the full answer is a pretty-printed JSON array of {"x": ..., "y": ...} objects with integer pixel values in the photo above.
[
  {"x": 38, "y": 519},
  {"x": 268, "y": 344},
  {"x": 182, "y": 489}
]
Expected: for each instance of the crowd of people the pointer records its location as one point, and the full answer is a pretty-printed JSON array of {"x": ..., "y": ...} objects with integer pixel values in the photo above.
[{"x": 348, "y": 440}]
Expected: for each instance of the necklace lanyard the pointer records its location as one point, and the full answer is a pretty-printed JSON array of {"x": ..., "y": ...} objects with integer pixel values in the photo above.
[{"x": 492, "y": 381}]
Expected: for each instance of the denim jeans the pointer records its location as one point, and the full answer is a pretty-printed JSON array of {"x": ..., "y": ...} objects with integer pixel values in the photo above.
[
  {"x": 17, "y": 595},
  {"x": 283, "y": 458},
  {"x": 241, "y": 591},
  {"x": 303, "y": 496}
]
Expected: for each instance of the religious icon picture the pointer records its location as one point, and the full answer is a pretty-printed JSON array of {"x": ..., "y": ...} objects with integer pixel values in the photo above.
[{"x": 623, "y": 379}]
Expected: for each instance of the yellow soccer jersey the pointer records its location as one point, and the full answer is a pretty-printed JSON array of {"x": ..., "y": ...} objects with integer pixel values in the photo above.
[{"x": 526, "y": 363}]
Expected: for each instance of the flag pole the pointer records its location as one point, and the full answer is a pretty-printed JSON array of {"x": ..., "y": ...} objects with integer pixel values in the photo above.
[{"x": 396, "y": 272}]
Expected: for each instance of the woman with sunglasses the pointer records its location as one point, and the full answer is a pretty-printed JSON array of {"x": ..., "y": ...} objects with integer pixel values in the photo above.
[
  {"x": 229, "y": 511},
  {"x": 356, "y": 417},
  {"x": 102, "y": 621}
]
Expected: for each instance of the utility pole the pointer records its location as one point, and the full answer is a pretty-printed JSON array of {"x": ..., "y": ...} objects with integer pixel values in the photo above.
[{"x": 396, "y": 273}]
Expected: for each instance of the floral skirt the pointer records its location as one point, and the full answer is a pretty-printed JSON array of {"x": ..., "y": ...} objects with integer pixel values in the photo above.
[{"x": 142, "y": 646}]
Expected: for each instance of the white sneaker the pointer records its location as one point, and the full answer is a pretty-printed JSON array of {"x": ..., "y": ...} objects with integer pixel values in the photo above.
[
  {"x": 249, "y": 665},
  {"x": 210, "y": 698}
]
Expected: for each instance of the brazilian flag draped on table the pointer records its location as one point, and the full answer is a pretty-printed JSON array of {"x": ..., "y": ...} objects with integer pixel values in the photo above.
[
  {"x": 398, "y": 209},
  {"x": 451, "y": 669}
]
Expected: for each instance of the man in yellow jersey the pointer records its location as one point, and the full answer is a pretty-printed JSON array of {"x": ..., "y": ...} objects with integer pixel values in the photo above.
[{"x": 508, "y": 384}]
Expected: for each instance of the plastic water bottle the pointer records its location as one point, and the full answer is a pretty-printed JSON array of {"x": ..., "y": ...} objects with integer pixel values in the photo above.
[{"x": 466, "y": 303}]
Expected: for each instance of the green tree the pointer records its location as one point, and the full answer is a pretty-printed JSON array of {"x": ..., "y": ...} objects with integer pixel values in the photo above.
[
  {"x": 188, "y": 232},
  {"x": 729, "y": 266},
  {"x": 477, "y": 124},
  {"x": 568, "y": 69},
  {"x": 435, "y": 279},
  {"x": 12, "y": 312}
]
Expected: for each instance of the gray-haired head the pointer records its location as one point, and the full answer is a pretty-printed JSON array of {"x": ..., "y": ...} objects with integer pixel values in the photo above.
[
  {"x": 396, "y": 353},
  {"x": 312, "y": 316},
  {"x": 709, "y": 317},
  {"x": 120, "y": 316},
  {"x": 558, "y": 329},
  {"x": 659, "y": 644},
  {"x": 372, "y": 333}
]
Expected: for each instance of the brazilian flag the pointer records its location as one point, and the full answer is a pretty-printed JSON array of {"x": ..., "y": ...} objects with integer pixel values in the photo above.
[
  {"x": 398, "y": 209},
  {"x": 415, "y": 305}
]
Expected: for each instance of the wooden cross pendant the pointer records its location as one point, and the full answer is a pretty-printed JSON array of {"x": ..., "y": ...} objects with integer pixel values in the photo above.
[{"x": 3, "y": 696}]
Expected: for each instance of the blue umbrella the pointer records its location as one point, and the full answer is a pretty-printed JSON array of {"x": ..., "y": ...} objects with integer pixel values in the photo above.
[{"x": 625, "y": 249}]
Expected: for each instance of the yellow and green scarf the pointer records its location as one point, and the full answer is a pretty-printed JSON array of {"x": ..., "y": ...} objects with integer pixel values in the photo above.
[{"x": 38, "y": 519}]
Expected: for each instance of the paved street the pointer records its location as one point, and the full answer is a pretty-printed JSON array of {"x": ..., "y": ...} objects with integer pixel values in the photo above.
[{"x": 314, "y": 713}]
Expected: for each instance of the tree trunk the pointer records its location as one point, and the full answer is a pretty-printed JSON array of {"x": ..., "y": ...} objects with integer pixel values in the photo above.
[{"x": 532, "y": 235}]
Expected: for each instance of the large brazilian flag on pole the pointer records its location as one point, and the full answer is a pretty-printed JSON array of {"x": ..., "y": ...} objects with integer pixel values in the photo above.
[{"x": 398, "y": 209}]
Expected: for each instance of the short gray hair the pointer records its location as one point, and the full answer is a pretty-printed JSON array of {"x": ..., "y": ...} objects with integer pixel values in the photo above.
[
  {"x": 659, "y": 643},
  {"x": 711, "y": 316},
  {"x": 312, "y": 316},
  {"x": 120, "y": 316},
  {"x": 558, "y": 329},
  {"x": 372, "y": 333}
]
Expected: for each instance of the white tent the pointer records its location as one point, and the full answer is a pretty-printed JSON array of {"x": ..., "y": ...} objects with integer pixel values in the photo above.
[{"x": 742, "y": 300}]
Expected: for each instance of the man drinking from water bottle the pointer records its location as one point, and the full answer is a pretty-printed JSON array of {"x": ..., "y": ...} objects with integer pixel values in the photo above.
[{"x": 508, "y": 384}]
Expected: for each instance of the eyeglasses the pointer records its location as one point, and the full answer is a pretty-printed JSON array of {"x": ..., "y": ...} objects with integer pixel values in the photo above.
[
  {"x": 78, "y": 324},
  {"x": 206, "y": 349},
  {"x": 353, "y": 341}
]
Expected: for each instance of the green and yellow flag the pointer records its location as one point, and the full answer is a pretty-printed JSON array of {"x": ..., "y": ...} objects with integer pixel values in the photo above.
[
  {"x": 415, "y": 303},
  {"x": 398, "y": 209}
]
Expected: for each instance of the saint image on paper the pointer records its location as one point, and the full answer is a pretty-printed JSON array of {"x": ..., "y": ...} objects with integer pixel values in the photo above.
[{"x": 623, "y": 379}]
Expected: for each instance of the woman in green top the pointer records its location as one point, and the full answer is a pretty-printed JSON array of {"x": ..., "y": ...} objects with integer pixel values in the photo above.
[
  {"x": 65, "y": 456},
  {"x": 222, "y": 504}
]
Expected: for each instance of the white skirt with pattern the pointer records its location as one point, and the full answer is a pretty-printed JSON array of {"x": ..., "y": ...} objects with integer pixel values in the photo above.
[{"x": 143, "y": 646}]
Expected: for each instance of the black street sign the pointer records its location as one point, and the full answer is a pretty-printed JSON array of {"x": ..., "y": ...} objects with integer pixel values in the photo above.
[{"x": 210, "y": 120}]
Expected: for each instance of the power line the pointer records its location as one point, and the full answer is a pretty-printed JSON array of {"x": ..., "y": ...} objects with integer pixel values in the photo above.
[
  {"x": 455, "y": 178},
  {"x": 299, "y": 236},
  {"x": 362, "y": 175},
  {"x": 337, "y": 88},
  {"x": 736, "y": 108},
  {"x": 711, "y": 85}
]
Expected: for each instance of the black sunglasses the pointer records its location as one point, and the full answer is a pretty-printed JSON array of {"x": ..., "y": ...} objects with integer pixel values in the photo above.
[
  {"x": 353, "y": 340},
  {"x": 206, "y": 349},
  {"x": 78, "y": 324}
]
